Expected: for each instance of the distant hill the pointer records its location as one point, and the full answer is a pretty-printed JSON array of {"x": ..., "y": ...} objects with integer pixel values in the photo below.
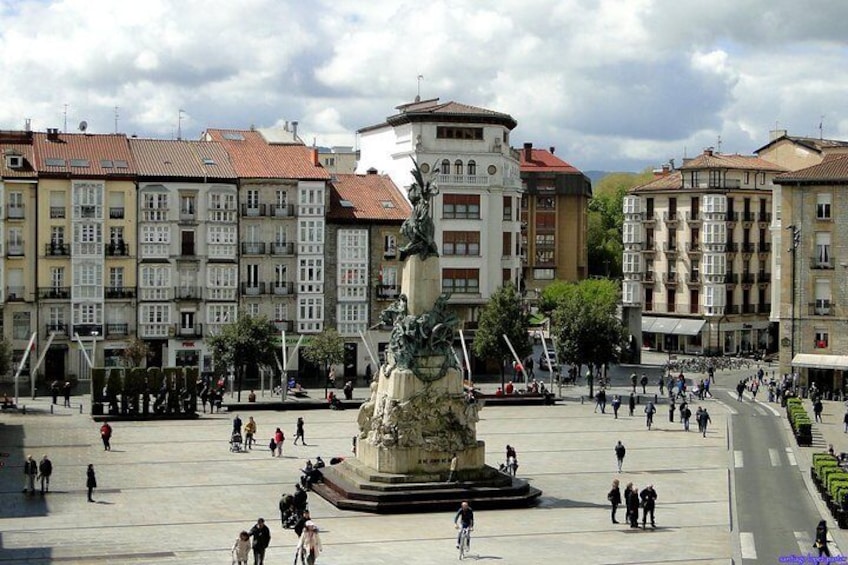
[{"x": 595, "y": 176}]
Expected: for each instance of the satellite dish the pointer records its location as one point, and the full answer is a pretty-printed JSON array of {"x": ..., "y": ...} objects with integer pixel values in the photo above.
[{"x": 83, "y": 125}]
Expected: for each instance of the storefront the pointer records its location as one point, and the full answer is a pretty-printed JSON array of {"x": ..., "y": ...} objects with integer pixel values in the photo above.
[
  {"x": 672, "y": 334},
  {"x": 827, "y": 372}
]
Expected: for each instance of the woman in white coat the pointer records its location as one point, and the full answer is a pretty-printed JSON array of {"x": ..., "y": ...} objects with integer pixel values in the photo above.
[{"x": 309, "y": 544}]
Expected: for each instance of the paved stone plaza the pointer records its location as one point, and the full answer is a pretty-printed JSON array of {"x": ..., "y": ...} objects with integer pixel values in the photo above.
[{"x": 171, "y": 492}]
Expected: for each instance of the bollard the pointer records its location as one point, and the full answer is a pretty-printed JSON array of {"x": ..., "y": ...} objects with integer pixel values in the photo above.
[
  {"x": 80, "y": 408},
  {"x": 638, "y": 399},
  {"x": 581, "y": 399},
  {"x": 656, "y": 401},
  {"x": 23, "y": 411},
  {"x": 51, "y": 408}
]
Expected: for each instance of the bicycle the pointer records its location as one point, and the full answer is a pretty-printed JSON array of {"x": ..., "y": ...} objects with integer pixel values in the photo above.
[{"x": 464, "y": 541}]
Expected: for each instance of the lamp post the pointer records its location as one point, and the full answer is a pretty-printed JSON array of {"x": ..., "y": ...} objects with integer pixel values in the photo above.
[{"x": 796, "y": 240}]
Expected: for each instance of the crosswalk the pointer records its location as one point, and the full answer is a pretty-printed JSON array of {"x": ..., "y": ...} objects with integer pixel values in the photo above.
[
  {"x": 804, "y": 540},
  {"x": 761, "y": 408},
  {"x": 776, "y": 457}
]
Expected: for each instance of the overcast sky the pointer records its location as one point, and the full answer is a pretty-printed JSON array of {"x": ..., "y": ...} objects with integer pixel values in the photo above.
[{"x": 614, "y": 85}]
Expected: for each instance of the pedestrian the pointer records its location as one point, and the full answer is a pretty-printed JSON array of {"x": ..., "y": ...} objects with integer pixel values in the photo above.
[
  {"x": 601, "y": 401},
  {"x": 45, "y": 469},
  {"x": 705, "y": 420},
  {"x": 687, "y": 413},
  {"x": 620, "y": 451},
  {"x": 649, "y": 414},
  {"x": 249, "y": 432},
  {"x": 821, "y": 539},
  {"x": 90, "y": 481},
  {"x": 332, "y": 377},
  {"x": 309, "y": 544},
  {"x": 368, "y": 373},
  {"x": 106, "y": 436},
  {"x": 298, "y": 434},
  {"x": 633, "y": 381},
  {"x": 706, "y": 387},
  {"x": 279, "y": 438},
  {"x": 30, "y": 472},
  {"x": 273, "y": 445},
  {"x": 644, "y": 382},
  {"x": 614, "y": 498},
  {"x": 348, "y": 390},
  {"x": 67, "y": 392},
  {"x": 54, "y": 391},
  {"x": 204, "y": 398},
  {"x": 740, "y": 388},
  {"x": 817, "y": 409},
  {"x": 631, "y": 403},
  {"x": 528, "y": 364},
  {"x": 452, "y": 473},
  {"x": 241, "y": 548},
  {"x": 261, "y": 539},
  {"x": 661, "y": 385},
  {"x": 633, "y": 506},
  {"x": 845, "y": 423},
  {"x": 237, "y": 425},
  {"x": 616, "y": 404},
  {"x": 648, "y": 497}
]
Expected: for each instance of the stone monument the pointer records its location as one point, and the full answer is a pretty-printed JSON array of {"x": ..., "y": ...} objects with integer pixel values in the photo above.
[{"x": 418, "y": 418}]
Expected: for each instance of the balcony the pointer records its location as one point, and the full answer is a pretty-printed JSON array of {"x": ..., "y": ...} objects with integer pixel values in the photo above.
[
  {"x": 648, "y": 277},
  {"x": 731, "y": 216},
  {"x": 764, "y": 308},
  {"x": 117, "y": 249},
  {"x": 88, "y": 330},
  {"x": 731, "y": 278},
  {"x": 58, "y": 329},
  {"x": 668, "y": 247},
  {"x": 649, "y": 247},
  {"x": 57, "y": 213},
  {"x": 15, "y": 293},
  {"x": 222, "y": 215},
  {"x": 117, "y": 330},
  {"x": 187, "y": 217},
  {"x": 764, "y": 247},
  {"x": 763, "y": 277},
  {"x": 284, "y": 325},
  {"x": 194, "y": 331},
  {"x": 388, "y": 291},
  {"x": 57, "y": 249},
  {"x": 252, "y": 248},
  {"x": 286, "y": 211},
  {"x": 15, "y": 248},
  {"x": 671, "y": 217},
  {"x": 694, "y": 278},
  {"x": 54, "y": 293},
  {"x": 154, "y": 214},
  {"x": 731, "y": 247},
  {"x": 819, "y": 263},
  {"x": 670, "y": 278},
  {"x": 649, "y": 218},
  {"x": 282, "y": 248},
  {"x": 463, "y": 180},
  {"x": 749, "y": 308},
  {"x": 822, "y": 308},
  {"x": 693, "y": 217},
  {"x": 252, "y": 288},
  {"x": 693, "y": 247},
  {"x": 15, "y": 212},
  {"x": 747, "y": 278},
  {"x": 748, "y": 247},
  {"x": 119, "y": 292},
  {"x": 254, "y": 210},
  {"x": 187, "y": 293},
  {"x": 116, "y": 212},
  {"x": 731, "y": 309},
  {"x": 764, "y": 217},
  {"x": 282, "y": 288},
  {"x": 748, "y": 217}
]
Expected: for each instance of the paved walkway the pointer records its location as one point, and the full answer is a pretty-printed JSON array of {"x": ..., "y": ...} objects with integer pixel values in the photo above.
[{"x": 171, "y": 492}]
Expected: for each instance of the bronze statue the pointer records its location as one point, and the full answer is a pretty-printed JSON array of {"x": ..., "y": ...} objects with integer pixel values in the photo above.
[{"x": 418, "y": 228}]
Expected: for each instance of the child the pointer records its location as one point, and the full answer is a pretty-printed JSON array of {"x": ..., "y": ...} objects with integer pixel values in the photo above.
[{"x": 241, "y": 548}]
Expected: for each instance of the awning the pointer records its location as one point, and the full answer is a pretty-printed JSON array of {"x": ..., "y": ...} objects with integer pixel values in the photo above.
[
  {"x": 820, "y": 361},
  {"x": 672, "y": 326}
]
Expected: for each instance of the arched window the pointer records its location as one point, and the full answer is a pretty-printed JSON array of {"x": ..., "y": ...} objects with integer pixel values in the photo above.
[
  {"x": 472, "y": 168},
  {"x": 457, "y": 167},
  {"x": 446, "y": 168}
]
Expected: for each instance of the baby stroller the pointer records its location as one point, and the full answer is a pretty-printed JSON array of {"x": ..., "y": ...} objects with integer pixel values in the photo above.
[{"x": 236, "y": 443}]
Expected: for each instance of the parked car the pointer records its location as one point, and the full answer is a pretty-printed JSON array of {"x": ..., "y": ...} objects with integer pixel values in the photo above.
[{"x": 543, "y": 360}]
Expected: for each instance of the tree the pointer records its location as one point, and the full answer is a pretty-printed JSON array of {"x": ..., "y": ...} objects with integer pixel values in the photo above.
[
  {"x": 587, "y": 326},
  {"x": 245, "y": 345},
  {"x": 135, "y": 352},
  {"x": 504, "y": 313},
  {"x": 606, "y": 217},
  {"x": 325, "y": 349}
]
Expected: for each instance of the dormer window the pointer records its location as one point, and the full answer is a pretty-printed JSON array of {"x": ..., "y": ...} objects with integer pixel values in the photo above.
[{"x": 14, "y": 161}]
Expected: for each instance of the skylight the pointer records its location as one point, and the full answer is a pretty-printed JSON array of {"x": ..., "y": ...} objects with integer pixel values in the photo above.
[
  {"x": 345, "y": 203},
  {"x": 233, "y": 136},
  {"x": 208, "y": 161},
  {"x": 80, "y": 163},
  {"x": 387, "y": 203},
  {"x": 120, "y": 164},
  {"x": 50, "y": 162},
  {"x": 106, "y": 163}
]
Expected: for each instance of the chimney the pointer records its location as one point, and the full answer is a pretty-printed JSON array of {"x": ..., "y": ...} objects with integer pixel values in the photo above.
[
  {"x": 371, "y": 171},
  {"x": 52, "y": 134},
  {"x": 552, "y": 149},
  {"x": 294, "y": 130},
  {"x": 528, "y": 151},
  {"x": 665, "y": 170},
  {"x": 708, "y": 151},
  {"x": 315, "y": 161}
]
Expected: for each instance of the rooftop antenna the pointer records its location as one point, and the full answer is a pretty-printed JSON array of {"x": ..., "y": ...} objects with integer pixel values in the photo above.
[
  {"x": 180, "y": 124},
  {"x": 65, "y": 130},
  {"x": 718, "y": 145},
  {"x": 116, "y": 119},
  {"x": 418, "y": 96},
  {"x": 821, "y": 127}
]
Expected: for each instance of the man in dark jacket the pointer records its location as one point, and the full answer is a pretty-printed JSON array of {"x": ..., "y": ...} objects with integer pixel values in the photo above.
[
  {"x": 614, "y": 497},
  {"x": 619, "y": 454},
  {"x": 45, "y": 469},
  {"x": 633, "y": 507},
  {"x": 704, "y": 419},
  {"x": 648, "y": 497},
  {"x": 261, "y": 540},
  {"x": 632, "y": 403}
]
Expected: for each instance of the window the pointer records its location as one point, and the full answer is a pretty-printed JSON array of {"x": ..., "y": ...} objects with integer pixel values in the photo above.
[
  {"x": 632, "y": 205},
  {"x": 311, "y": 231},
  {"x": 155, "y": 234},
  {"x": 507, "y": 244},
  {"x": 822, "y": 339},
  {"x": 57, "y": 236},
  {"x": 57, "y": 205},
  {"x": 188, "y": 206},
  {"x": 715, "y": 264},
  {"x": 461, "y": 206},
  {"x": 545, "y": 248},
  {"x": 352, "y": 276},
  {"x": 155, "y": 282},
  {"x": 116, "y": 205},
  {"x": 543, "y": 274},
  {"x": 822, "y": 306},
  {"x": 281, "y": 198},
  {"x": 472, "y": 168},
  {"x": 16, "y": 204},
  {"x": 311, "y": 270},
  {"x": 20, "y": 325},
  {"x": 116, "y": 235},
  {"x": 221, "y": 235},
  {"x": 461, "y": 243},
  {"x": 507, "y": 208},
  {"x": 155, "y": 319},
  {"x": 116, "y": 277},
  {"x": 822, "y": 258},
  {"x": 632, "y": 263},
  {"x": 545, "y": 203},
  {"x": 632, "y": 233},
  {"x": 823, "y": 203},
  {"x": 252, "y": 309},
  {"x": 353, "y": 245},
  {"x": 16, "y": 241},
  {"x": 459, "y": 132},
  {"x": 461, "y": 281},
  {"x": 389, "y": 246},
  {"x": 714, "y": 204},
  {"x": 457, "y": 168},
  {"x": 220, "y": 201},
  {"x": 220, "y": 313},
  {"x": 57, "y": 277},
  {"x": 281, "y": 311},
  {"x": 87, "y": 314},
  {"x": 446, "y": 167},
  {"x": 352, "y": 318},
  {"x": 310, "y": 314},
  {"x": 672, "y": 300}
]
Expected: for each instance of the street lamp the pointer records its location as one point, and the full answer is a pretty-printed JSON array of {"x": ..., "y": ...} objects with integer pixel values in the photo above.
[{"x": 796, "y": 241}]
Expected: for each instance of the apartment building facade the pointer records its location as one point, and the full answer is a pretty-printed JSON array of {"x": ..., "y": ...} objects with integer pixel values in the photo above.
[
  {"x": 697, "y": 255},
  {"x": 363, "y": 230},
  {"x": 466, "y": 152},
  {"x": 554, "y": 219},
  {"x": 814, "y": 293}
]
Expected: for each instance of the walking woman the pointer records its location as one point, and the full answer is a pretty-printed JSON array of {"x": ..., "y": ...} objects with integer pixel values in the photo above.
[
  {"x": 821, "y": 539},
  {"x": 614, "y": 497},
  {"x": 91, "y": 481}
]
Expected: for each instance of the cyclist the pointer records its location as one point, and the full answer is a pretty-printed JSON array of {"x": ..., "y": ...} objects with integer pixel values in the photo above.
[{"x": 464, "y": 520}]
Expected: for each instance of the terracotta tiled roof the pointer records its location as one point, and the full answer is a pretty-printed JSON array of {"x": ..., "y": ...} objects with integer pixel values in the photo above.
[
  {"x": 671, "y": 181},
  {"x": 435, "y": 111},
  {"x": 84, "y": 155},
  {"x": 366, "y": 197},
  {"x": 252, "y": 157},
  {"x": 24, "y": 150},
  {"x": 712, "y": 160},
  {"x": 834, "y": 168},
  {"x": 542, "y": 160},
  {"x": 184, "y": 159}
]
